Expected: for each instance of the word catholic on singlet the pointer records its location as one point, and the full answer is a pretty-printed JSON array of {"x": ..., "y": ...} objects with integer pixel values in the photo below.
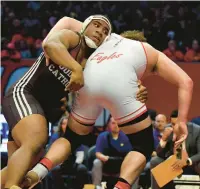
[
  {"x": 100, "y": 57},
  {"x": 60, "y": 72}
]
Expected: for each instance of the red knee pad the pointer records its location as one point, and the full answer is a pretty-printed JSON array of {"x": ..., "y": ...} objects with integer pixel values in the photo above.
[
  {"x": 122, "y": 185},
  {"x": 47, "y": 163}
]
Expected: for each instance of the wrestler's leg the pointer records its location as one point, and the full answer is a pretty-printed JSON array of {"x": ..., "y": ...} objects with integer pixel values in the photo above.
[
  {"x": 133, "y": 164},
  {"x": 132, "y": 118},
  {"x": 135, "y": 161},
  {"x": 78, "y": 132},
  {"x": 30, "y": 134},
  {"x": 12, "y": 147},
  {"x": 75, "y": 135}
]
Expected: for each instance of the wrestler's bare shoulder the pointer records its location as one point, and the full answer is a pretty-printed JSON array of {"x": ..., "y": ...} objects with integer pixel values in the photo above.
[{"x": 152, "y": 57}]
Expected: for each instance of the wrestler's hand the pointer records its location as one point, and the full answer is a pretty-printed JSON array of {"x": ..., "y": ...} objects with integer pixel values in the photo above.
[
  {"x": 76, "y": 80},
  {"x": 180, "y": 133},
  {"x": 142, "y": 94}
]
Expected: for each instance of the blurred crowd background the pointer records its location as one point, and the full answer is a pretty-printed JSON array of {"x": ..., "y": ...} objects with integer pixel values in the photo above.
[{"x": 172, "y": 27}]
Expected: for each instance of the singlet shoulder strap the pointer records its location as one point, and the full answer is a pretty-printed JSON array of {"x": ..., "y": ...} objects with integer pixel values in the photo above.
[
  {"x": 75, "y": 50},
  {"x": 79, "y": 43}
]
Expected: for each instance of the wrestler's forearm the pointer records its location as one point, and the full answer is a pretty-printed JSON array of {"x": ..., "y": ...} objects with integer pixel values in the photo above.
[
  {"x": 171, "y": 72},
  {"x": 59, "y": 54},
  {"x": 65, "y": 23},
  {"x": 184, "y": 99}
]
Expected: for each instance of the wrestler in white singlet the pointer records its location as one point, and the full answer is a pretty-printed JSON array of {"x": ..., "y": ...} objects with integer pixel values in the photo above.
[{"x": 111, "y": 76}]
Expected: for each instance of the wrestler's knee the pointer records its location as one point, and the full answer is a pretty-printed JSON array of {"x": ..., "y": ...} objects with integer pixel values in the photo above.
[
  {"x": 31, "y": 131},
  {"x": 34, "y": 147},
  {"x": 140, "y": 157},
  {"x": 143, "y": 142}
]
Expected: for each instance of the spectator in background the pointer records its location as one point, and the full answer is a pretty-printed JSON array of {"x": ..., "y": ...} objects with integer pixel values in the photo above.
[
  {"x": 170, "y": 17},
  {"x": 196, "y": 120},
  {"x": 52, "y": 21},
  {"x": 16, "y": 26},
  {"x": 38, "y": 47},
  {"x": 34, "y": 5},
  {"x": 193, "y": 55},
  {"x": 173, "y": 117},
  {"x": 8, "y": 22},
  {"x": 24, "y": 51},
  {"x": 4, "y": 50},
  {"x": 160, "y": 123},
  {"x": 111, "y": 148},
  {"x": 30, "y": 22},
  {"x": 16, "y": 38},
  {"x": 61, "y": 130},
  {"x": 29, "y": 39},
  {"x": 44, "y": 33},
  {"x": 24, "y": 35},
  {"x": 11, "y": 53},
  {"x": 159, "y": 127},
  {"x": 73, "y": 166},
  {"x": 4, "y": 55},
  {"x": 152, "y": 113},
  {"x": 172, "y": 52},
  {"x": 119, "y": 24},
  {"x": 146, "y": 28},
  {"x": 191, "y": 158}
]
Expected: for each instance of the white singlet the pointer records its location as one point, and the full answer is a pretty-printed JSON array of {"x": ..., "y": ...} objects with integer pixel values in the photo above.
[{"x": 111, "y": 74}]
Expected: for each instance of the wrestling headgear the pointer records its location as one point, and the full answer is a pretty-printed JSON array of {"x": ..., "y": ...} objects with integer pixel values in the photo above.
[{"x": 88, "y": 41}]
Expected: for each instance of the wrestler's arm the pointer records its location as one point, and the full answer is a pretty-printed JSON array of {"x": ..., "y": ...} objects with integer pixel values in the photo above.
[
  {"x": 56, "y": 48},
  {"x": 171, "y": 72},
  {"x": 65, "y": 23}
]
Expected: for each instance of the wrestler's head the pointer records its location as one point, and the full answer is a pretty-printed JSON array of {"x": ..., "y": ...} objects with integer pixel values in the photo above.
[
  {"x": 134, "y": 35},
  {"x": 96, "y": 30}
]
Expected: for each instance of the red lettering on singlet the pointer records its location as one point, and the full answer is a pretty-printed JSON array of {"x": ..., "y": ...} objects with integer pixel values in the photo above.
[{"x": 100, "y": 57}]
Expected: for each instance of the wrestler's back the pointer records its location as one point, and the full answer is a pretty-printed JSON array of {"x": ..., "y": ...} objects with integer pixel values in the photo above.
[
  {"x": 116, "y": 62},
  {"x": 112, "y": 72}
]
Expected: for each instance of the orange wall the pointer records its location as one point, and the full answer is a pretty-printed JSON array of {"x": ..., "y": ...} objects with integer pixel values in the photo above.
[{"x": 162, "y": 96}]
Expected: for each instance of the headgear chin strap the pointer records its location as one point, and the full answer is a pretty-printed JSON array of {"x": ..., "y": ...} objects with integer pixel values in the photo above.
[{"x": 90, "y": 43}]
